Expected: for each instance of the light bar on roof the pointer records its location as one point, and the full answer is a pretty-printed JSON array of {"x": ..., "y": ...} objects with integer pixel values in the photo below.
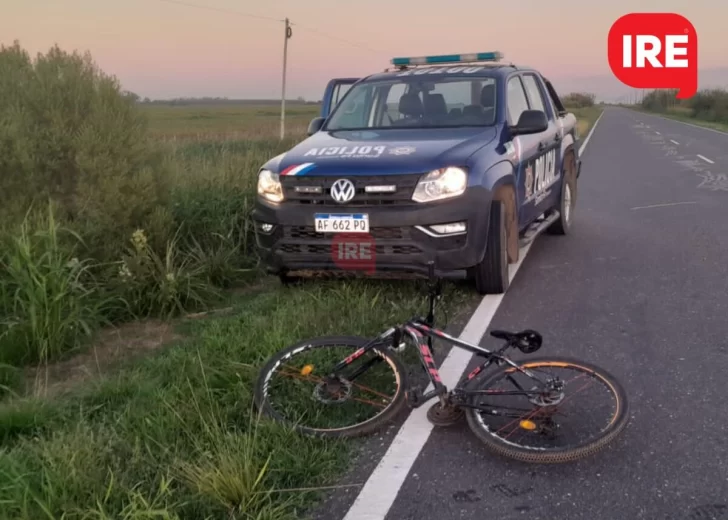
[{"x": 449, "y": 58}]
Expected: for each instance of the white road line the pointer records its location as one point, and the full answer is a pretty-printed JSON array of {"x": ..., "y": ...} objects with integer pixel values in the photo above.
[
  {"x": 588, "y": 136},
  {"x": 673, "y": 141},
  {"x": 658, "y": 133},
  {"x": 663, "y": 205},
  {"x": 380, "y": 490},
  {"x": 706, "y": 159}
]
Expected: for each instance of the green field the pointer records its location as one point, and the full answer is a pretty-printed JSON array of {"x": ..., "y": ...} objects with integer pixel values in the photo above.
[
  {"x": 123, "y": 395},
  {"x": 255, "y": 122},
  {"x": 226, "y": 121}
]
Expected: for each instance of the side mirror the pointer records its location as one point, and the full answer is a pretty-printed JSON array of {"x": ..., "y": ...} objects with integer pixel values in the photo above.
[
  {"x": 531, "y": 122},
  {"x": 315, "y": 125}
]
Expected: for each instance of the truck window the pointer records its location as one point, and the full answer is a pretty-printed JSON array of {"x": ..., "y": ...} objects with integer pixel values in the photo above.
[
  {"x": 420, "y": 100},
  {"x": 391, "y": 107},
  {"x": 517, "y": 102},
  {"x": 535, "y": 97},
  {"x": 353, "y": 111},
  {"x": 553, "y": 96},
  {"x": 338, "y": 94},
  {"x": 457, "y": 94}
]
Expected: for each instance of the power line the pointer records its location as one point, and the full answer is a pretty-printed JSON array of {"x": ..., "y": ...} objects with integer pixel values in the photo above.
[
  {"x": 337, "y": 38},
  {"x": 272, "y": 19},
  {"x": 223, "y": 10}
]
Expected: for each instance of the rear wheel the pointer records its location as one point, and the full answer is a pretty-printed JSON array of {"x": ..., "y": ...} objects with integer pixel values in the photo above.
[
  {"x": 567, "y": 201},
  {"x": 297, "y": 387},
  {"x": 491, "y": 274},
  {"x": 558, "y": 422}
]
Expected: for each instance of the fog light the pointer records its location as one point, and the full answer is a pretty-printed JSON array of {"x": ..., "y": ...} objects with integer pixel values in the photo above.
[
  {"x": 454, "y": 228},
  {"x": 265, "y": 227}
]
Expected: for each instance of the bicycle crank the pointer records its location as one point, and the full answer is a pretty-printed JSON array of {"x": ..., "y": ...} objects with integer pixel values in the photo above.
[{"x": 447, "y": 415}]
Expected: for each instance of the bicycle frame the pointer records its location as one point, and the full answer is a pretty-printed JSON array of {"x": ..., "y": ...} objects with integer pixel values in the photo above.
[
  {"x": 422, "y": 331},
  {"x": 422, "y": 334}
]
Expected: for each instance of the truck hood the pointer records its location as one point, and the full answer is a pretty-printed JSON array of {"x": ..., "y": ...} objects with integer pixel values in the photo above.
[{"x": 382, "y": 152}]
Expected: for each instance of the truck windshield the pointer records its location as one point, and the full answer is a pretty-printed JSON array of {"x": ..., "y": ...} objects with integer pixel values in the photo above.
[{"x": 417, "y": 102}]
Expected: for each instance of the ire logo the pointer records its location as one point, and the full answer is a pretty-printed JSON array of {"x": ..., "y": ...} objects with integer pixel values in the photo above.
[
  {"x": 655, "y": 50},
  {"x": 354, "y": 251}
]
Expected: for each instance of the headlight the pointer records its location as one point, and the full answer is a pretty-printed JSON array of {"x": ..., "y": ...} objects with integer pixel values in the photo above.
[
  {"x": 269, "y": 186},
  {"x": 441, "y": 184}
]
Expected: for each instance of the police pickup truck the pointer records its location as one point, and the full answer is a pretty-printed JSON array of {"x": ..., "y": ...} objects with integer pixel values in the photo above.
[{"x": 460, "y": 159}]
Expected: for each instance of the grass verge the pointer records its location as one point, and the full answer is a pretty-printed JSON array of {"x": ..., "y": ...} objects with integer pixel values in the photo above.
[
  {"x": 585, "y": 118},
  {"x": 680, "y": 115},
  {"x": 174, "y": 435}
]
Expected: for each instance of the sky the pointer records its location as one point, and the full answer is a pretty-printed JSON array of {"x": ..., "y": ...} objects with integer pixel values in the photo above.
[{"x": 234, "y": 48}]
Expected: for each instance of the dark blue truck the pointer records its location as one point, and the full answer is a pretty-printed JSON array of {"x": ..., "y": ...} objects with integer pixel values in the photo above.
[{"x": 460, "y": 159}]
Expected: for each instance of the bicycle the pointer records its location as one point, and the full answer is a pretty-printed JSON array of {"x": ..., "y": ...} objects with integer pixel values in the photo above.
[{"x": 536, "y": 423}]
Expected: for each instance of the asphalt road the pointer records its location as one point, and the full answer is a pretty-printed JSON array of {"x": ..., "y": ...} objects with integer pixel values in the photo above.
[{"x": 640, "y": 287}]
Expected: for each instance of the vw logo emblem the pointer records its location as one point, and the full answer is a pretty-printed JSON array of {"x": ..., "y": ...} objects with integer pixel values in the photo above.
[{"x": 343, "y": 190}]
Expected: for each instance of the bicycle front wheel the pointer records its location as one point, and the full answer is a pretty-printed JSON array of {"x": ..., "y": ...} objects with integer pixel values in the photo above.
[
  {"x": 297, "y": 387},
  {"x": 522, "y": 418}
]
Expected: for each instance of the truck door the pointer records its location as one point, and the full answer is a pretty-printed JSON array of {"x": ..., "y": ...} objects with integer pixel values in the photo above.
[
  {"x": 547, "y": 170},
  {"x": 536, "y": 176},
  {"x": 335, "y": 91}
]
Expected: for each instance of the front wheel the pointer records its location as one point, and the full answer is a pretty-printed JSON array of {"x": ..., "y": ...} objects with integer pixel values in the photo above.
[
  {"x": 297, "y": 387},
  {"x": 551, "y": 416},
  {"x": 491, "y": 274}
]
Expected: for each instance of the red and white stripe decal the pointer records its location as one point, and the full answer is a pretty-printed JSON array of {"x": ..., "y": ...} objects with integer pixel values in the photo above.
[{"x": 296, "y": 169}]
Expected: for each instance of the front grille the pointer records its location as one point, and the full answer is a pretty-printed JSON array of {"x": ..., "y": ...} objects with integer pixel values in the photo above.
[
  {"x": 325, "y": 249},
  {"x": 405, "y": 186},
  {"x": 321, "y": 243},
  {"x": 377, "y": 233}
]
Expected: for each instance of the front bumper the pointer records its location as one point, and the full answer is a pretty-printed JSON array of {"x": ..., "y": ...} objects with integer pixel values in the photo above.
[{"x": 399, "y": 242}]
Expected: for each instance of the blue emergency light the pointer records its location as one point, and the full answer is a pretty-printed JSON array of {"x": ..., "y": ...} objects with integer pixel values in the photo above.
[{"x": 449, "y": 58}]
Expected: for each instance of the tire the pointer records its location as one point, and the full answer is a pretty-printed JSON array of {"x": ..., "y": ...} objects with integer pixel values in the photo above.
[
  {"x": 354, "y": 343},
  {"x": 555, "y": 455},
  {"x": 288, "y": 280},
  {"x": 567, "y": 200},
  {"x": 491, "y": 274}
]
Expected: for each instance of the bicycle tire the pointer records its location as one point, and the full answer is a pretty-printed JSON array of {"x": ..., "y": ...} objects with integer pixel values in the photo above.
[
  {"x": 364, "y": 428},
  {"x": 556, "y": 455}
]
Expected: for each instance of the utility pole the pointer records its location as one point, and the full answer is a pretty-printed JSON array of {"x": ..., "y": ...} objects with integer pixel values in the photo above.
[{"x": 288, "y": 34}]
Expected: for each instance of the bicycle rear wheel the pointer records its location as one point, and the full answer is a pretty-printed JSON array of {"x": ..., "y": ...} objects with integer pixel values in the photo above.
[
  {"x": 296, "y": 386},
  {"x": 530, "y": 428}
]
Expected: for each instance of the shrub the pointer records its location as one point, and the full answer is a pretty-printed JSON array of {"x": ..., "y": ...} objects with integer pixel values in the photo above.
[
  {"x": 707, "y": 105},
  {"x": 69, "y": 133},
  {"x": 579, "y": 100},
  {"x": 166, "y": 284}
]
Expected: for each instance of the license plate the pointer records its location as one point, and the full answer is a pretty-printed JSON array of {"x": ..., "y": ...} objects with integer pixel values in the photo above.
[{"x": 342, "y": 223}]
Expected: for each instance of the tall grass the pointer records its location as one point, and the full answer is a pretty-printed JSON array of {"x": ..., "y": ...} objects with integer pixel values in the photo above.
[
  {"x": 49, "y": 299},
  {"x": 162, "y": 227}
]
